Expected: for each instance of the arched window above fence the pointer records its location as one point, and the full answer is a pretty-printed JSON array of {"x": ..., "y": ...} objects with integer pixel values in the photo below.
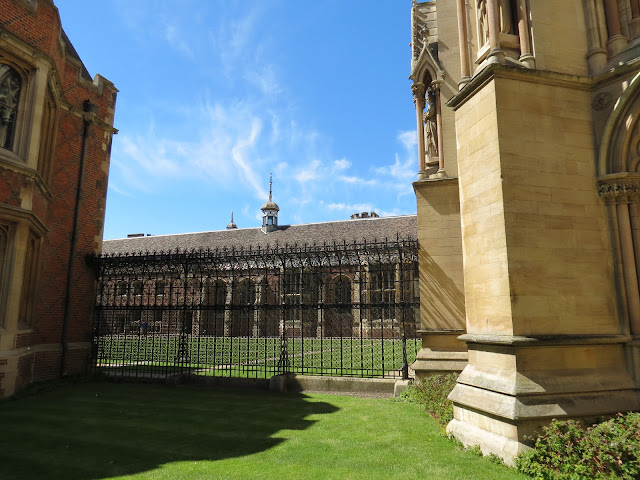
[{"x": 340, "y": 290}]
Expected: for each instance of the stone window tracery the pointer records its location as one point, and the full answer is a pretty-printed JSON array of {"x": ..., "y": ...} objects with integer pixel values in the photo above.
[{"x": 10, "y": 85}]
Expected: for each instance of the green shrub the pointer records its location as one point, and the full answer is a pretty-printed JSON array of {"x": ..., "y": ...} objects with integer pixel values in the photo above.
[
  {"x": 432, "y": 392},
  {"x": 567, "y": 450}
]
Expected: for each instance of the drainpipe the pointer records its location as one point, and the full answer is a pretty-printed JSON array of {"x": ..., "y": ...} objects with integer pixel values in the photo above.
[{"x": 89, "y": 110}]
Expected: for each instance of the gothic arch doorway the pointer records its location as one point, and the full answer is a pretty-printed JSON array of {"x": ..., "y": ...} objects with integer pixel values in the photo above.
[{"x": 619, "y": 187}]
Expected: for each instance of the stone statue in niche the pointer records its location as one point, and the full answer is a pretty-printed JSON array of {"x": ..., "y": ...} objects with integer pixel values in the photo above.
[
  {"x": 430, "y": 127},
  {"x": 483, "y": 23},
  {"x": 506, "y": 23},
  {"x": 505, "y": 11}
]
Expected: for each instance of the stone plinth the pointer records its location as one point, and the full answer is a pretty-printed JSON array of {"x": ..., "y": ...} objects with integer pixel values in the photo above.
[{"x": 441, "y": 352}]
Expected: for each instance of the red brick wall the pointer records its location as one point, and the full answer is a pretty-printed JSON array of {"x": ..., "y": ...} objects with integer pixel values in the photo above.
[
  {"x": 10, "y": 185},
  {"x": 3, "y": 364},
  {"x": 25, "y": 371},
  {"x": 46, "y": 366},
  {"x": 40, "y": 28}
]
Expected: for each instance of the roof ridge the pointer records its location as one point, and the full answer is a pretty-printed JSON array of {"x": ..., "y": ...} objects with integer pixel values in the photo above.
[{"x": 280, "y": 227}]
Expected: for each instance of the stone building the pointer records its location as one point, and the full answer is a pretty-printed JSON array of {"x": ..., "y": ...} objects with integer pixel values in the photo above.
[
  {"x": 56, "y": 125},
  {"x": 530, "y": 220}
]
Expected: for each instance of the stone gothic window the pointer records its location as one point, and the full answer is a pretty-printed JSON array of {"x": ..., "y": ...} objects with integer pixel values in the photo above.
[
  {"x": 10, "y": 83},
  {"x": 160, "y": 287},
  {"x": 122, "y": 288},
  {"x": 29, "y": 281},
  {"x": 340, "y": 293},
  {"x": 382, "y": 291},
  {"x": 47, "y": 136},
  {"x": 137, "y": 288}
]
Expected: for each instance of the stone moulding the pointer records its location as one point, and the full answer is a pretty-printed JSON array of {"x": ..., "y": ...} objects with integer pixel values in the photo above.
[
  {"x": 541, "y": 340},
  {"x": 619, "y": 186},
  {"x": 542, "y": 406}
]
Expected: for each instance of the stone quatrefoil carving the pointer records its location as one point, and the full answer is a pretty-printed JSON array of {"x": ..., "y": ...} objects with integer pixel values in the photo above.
[{"x": 619, "y": 189}]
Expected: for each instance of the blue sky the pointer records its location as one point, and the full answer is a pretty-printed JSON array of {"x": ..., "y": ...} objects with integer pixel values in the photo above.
[{"x": 216, "y": 93}]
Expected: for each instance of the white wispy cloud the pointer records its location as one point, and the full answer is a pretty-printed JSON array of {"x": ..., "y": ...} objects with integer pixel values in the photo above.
[
  {"x": 309, "y": 172},
  {"x": 357, "y": 180},
  {"x": 409, "y": 139},
  {"x": 120, "y": 191},
  {"x": 240, "y": 155},
  {"x": 341, "y": 164},
  {"x": 158, "y": 157},
  {"x": 266, "y": 79},
  {"x": 227, "y": 147},
  {"x": 352, "y": 208},
  {"x": 249, "y": 128},
  {"x": 402, "y": 169},
  {"x": 177, "y": 41}
]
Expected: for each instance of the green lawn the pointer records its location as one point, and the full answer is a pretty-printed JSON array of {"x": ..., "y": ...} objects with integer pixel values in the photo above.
[
  {"x": 107, "y": 430},
  {"x": 252, "y": 357}
]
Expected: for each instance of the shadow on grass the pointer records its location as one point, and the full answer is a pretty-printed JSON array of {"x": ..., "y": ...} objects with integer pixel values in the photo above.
[{"x": 102, "y": 430}]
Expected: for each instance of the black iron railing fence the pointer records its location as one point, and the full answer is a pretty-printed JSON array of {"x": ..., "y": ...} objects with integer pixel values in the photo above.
[{"x": 343, "y": 309}]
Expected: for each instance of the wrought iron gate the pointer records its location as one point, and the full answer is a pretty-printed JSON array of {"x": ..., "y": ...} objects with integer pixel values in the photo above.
[{"x": 339, "y": 309}]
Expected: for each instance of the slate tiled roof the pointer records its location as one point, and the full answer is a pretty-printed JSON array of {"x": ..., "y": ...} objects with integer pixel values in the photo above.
[{"x": 368, "y": 229}]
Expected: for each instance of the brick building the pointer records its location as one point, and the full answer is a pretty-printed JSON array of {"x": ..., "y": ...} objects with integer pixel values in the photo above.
[
  {"x": 209, "y": 298},
  {"x": 56, "y": 125},
  {"x": 331, "y": 298}
]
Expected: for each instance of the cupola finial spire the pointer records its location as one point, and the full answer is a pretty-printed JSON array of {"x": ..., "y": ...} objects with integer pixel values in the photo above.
[
  {"x": 231, "y": 225},
  {"x": 270, "y": 210}
]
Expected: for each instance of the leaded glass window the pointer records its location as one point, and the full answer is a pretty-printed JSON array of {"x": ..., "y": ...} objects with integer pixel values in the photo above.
[{"x": 10, "y": 83}]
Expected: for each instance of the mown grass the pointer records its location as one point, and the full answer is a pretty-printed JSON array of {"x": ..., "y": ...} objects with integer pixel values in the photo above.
[
  {"x": 105, "y": 430},
  {"x": 229, "y": 356}
]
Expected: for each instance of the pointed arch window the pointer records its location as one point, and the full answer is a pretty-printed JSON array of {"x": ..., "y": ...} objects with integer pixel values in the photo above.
[{"x": 10, "y": 85}]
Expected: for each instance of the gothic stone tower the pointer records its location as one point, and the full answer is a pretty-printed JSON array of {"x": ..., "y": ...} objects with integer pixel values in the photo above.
[
  {"x": 548, "y": 163},
  {"x": 435, "y": 74}
]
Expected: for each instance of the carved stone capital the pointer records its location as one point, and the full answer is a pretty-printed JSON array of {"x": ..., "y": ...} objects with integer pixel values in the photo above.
[
  {"x": 419, "y": 90},
  {"x": 619, "y": 191},
  {"x": 435, "y": 85}
]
